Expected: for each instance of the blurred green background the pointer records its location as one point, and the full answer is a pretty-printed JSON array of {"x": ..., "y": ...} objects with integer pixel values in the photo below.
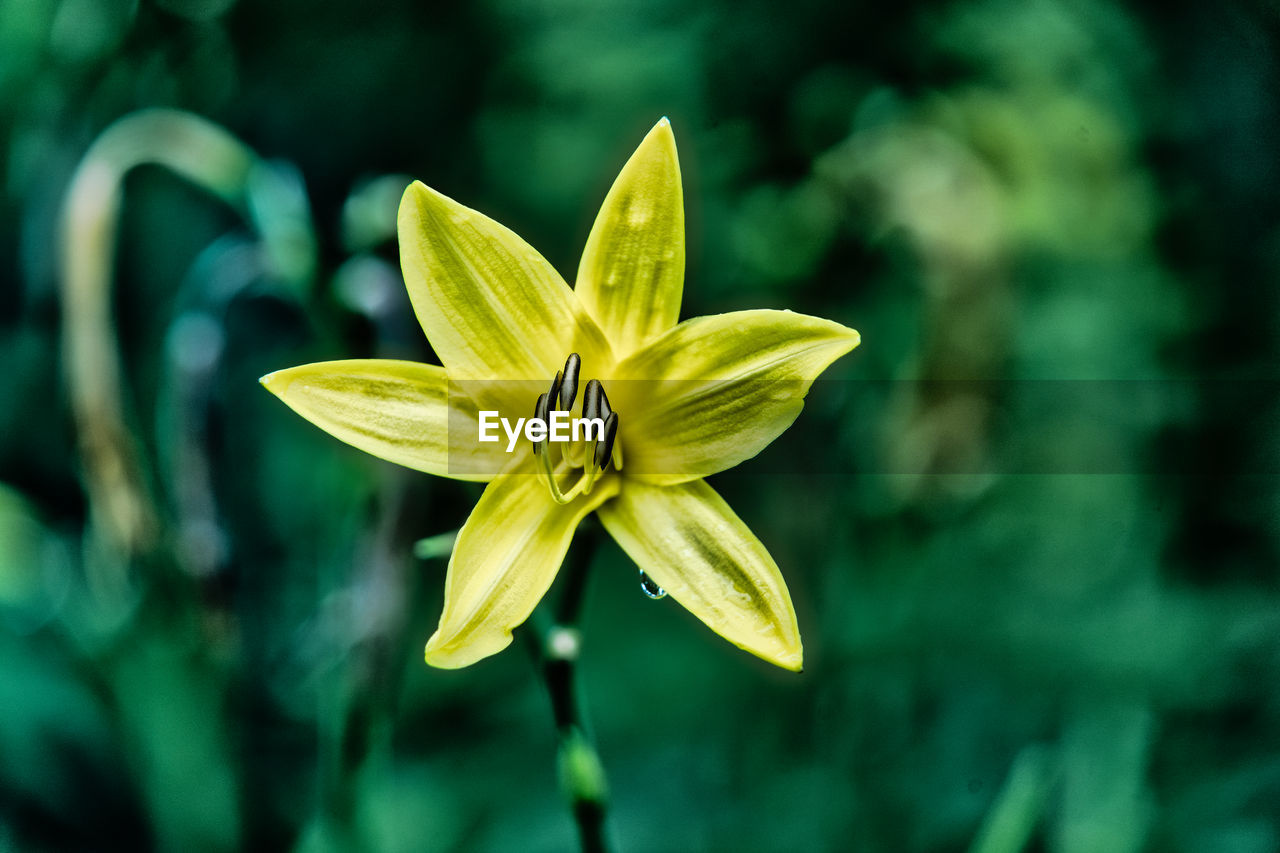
[{"x": 1029, "y": 526}]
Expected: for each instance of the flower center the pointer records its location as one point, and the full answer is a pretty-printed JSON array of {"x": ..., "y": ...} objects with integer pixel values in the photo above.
[{"x": 589, "y": 456}]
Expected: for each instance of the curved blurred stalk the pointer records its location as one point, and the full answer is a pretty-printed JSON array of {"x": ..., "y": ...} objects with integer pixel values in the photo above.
[
  {"x": 121, "y": 503},
  {"x": 271, "y": 197},
  {"x": 127, "y": 522}
]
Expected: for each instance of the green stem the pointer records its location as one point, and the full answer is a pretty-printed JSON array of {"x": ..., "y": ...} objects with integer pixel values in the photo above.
[
  {"x": 119, "y": 496},
  {"x": 575, "y": 572},
  {"x": 582, "y": 776},
  {"x": 127, "y": 516}
]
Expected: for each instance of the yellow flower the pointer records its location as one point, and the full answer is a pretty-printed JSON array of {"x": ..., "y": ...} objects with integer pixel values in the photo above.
[{"x": 687, "y": 400}]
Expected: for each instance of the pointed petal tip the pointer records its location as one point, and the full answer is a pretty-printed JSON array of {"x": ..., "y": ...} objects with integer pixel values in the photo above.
[
  {"x": 421, "y": 203},
  {"x": 662, "y": 132},
  {"x": 276, "y": 382},
  {"x": 789, "y": 657},
  {"x": 849, "y": 339},
  {"x": 443, "y": 655},
  {"x": 414, "y": 195}
]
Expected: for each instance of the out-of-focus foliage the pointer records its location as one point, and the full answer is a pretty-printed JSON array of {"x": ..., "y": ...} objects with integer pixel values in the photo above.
[{"x": 1030, "y": 528}]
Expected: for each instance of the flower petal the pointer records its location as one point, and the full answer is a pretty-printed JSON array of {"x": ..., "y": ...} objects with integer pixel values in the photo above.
[
  {"x": 693, "y": 545},
  {"x": 490, "y": 305},
  {"x": 715, "y": 391},
  {"x": 505, "y": 559},
  {"x": 632, "y": 270},
  {"x": 400, "y": 411}
]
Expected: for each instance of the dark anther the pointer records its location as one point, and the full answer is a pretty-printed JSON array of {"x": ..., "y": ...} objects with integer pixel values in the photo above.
[
  {"x": 605, "y": 408},
  {"x": 604, "y": 447},
  {"x": 591, "y": 398},
  {"x": 569, "y": 390},
  {"x": 553, "y": 396},
  {"x": 540, "y": 411}
]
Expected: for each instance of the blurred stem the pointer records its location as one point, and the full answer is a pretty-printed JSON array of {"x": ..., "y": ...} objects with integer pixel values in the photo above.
[
  {"x": 582, "y": 775},
  {"x": 1019, "y": 805},
  {"x": 209, "y": 157},
  {"x": 270, "y": 197}
]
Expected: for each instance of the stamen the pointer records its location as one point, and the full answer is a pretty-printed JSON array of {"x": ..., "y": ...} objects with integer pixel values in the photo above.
[
  {"x": 605, "y": 408},
  {"x": 573, "y": 453},
  {"x": 553, "y": 396},
  {"x": 606, "y": 412},
  {"x": 591, "y": 400},
  {"x": 569, "y": 390},
  {"x": 542, "y": 450},
  {"x": 592, "y": 458},
  {"x": 582, "y": 486},
  {"x": 590, "y": 410},
  {"x": 550, "y": 476},
  {"x": 540, "y": 411},
  {"x": 604, "y": 447}
]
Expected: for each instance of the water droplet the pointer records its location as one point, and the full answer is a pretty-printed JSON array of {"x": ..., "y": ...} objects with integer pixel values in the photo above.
[{"x": 651, "y": 589}]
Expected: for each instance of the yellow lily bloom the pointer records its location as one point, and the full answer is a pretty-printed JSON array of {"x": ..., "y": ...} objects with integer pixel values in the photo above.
[{"x": 687, "y": 400}]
